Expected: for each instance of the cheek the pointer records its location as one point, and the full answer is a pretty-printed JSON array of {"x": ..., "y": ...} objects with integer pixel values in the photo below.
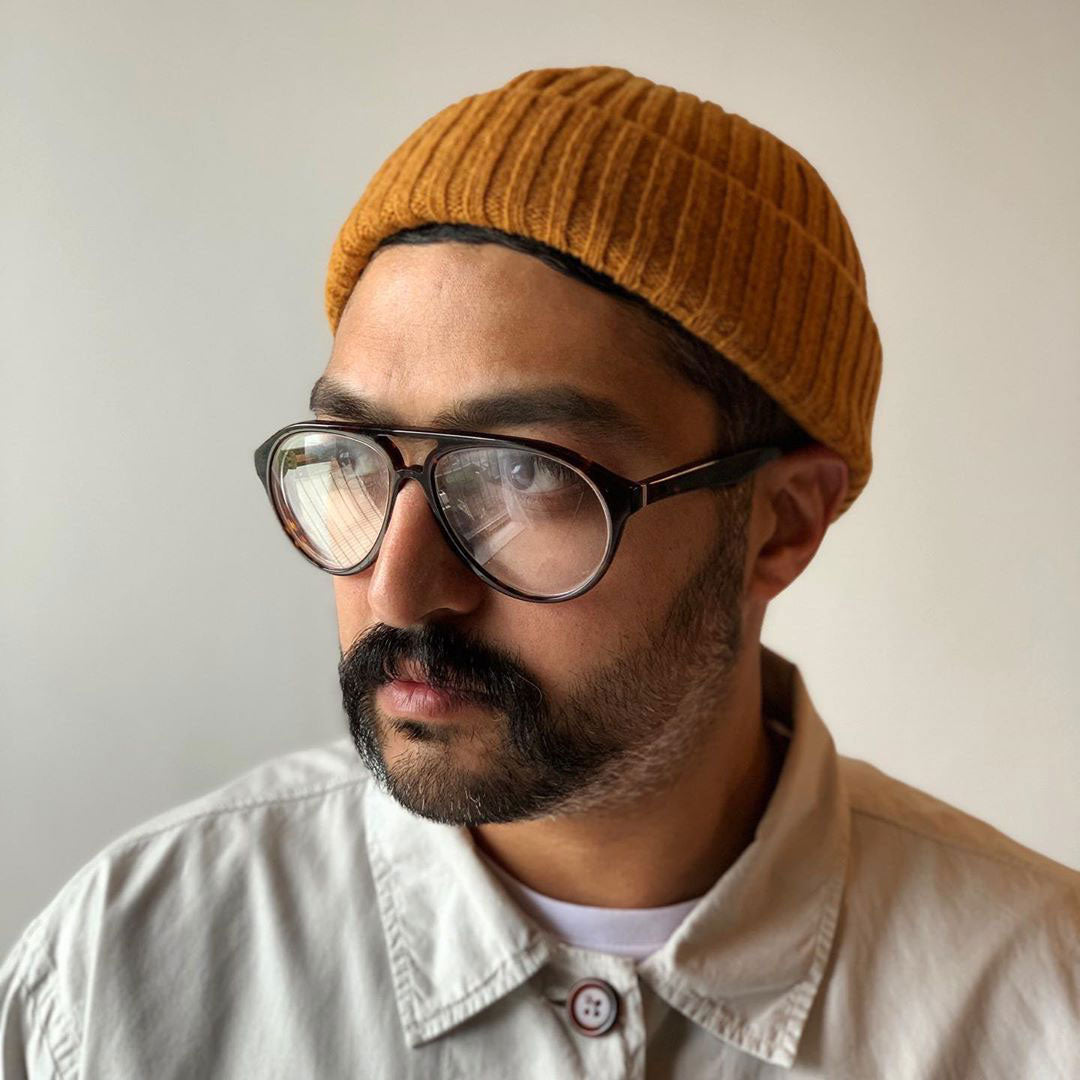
[
  {"x": 559, "y": 643},
  {"x": 661, "y": 548},
  {"x": 657, "y": 555}
]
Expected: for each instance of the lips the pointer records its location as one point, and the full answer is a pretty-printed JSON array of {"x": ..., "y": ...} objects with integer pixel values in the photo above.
[
  {"x": 413, "y": 674},
  {"x": 418, "y": 699}
]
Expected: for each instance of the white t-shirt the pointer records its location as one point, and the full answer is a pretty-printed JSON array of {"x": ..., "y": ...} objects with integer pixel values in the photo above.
[{"x": 633, "y": 932}]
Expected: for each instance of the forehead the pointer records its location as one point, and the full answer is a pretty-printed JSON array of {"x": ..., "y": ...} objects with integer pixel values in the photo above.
[{"x": 432, "y": 324}]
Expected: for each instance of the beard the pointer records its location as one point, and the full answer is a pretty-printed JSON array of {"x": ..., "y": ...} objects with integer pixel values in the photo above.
[{"x": 625, "y": 730}]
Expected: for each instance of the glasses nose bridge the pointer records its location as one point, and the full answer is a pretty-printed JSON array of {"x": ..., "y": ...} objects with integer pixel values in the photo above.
[
  {"x": 406, "y": 473},
  {"x": 402, "y": 476},
  {"x": 408, "y": 455}
]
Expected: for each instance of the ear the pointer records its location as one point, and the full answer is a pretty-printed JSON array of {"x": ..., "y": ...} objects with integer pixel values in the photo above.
[{"x": 796, "y": 498}]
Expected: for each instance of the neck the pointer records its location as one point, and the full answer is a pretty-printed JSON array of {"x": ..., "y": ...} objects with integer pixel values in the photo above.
[{"x": 670, "y": 845}]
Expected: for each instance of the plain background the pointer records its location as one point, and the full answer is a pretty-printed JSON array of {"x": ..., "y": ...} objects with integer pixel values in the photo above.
[{"x": 172, "y": 180}]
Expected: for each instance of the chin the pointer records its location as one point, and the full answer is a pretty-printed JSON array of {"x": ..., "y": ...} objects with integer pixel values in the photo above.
[{"x": 426, "y": 781}]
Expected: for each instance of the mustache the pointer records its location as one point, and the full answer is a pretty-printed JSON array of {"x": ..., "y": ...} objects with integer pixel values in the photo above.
[{"x": 445, "y": 658}]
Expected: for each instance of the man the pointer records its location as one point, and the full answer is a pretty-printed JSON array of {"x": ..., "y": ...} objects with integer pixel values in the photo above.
[{"x": 603, "y": 375}]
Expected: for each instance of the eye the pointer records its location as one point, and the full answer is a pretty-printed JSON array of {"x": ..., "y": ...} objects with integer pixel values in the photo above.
[
  {"x": 520, "y": 472},
  {"x": 537, "y": 475}
]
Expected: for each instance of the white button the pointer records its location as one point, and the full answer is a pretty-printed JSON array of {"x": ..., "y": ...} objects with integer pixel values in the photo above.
[{"x": 593, "y": 1006}]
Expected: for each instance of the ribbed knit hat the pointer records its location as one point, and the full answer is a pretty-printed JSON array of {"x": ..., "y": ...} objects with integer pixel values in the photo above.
[{"x": 710, "y": 219}]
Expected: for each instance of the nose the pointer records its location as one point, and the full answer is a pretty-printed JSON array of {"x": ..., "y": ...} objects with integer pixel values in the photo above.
[{"x": 417, "y": 575}]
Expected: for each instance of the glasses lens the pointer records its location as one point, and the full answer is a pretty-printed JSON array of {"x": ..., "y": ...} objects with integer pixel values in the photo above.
[
  {"x": 331, "y": 491},
  {"x": 531, "y": 521}
]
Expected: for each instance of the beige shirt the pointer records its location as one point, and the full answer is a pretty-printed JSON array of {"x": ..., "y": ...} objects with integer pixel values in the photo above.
[{"x": 299, "y": 923}]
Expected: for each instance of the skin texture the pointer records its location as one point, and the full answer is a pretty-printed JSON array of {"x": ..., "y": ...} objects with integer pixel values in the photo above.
[{"x": 430, "y": 325}]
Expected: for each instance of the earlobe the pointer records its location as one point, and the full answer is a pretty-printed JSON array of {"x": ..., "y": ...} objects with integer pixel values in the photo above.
[{"x": 795, "y": 501}]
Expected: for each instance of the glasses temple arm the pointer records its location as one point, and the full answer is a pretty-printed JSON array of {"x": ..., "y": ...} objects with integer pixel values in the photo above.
[{"x": 722, "y": 473}]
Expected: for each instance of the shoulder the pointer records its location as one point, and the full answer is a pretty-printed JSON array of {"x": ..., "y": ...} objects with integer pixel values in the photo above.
[
  {"x": 900, "y": 815},
  {"x": 298, "y": 777},
  {"x": 249, "y": 819},
  {"x": 966, "y": 924},
  {"x": 233, "y": 823},
  {"x": 193, "y": 894},
  {"x": 957, "y": 950}
]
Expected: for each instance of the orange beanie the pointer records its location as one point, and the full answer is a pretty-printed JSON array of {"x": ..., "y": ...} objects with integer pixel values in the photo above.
[{"x": 710, "y": 219}]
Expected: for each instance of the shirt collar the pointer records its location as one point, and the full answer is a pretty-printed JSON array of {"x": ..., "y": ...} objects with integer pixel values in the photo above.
[
  {"x": 745, "y": 965},
  {"x": 457, "y": 943}
]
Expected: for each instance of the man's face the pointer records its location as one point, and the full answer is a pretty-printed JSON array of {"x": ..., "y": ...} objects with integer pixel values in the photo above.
[{"x": 560, "y": 707}]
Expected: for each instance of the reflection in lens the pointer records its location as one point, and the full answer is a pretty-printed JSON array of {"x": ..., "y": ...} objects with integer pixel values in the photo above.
[
  {"x": 531, "y": 521},
  {"x": 335, "y": 488}
]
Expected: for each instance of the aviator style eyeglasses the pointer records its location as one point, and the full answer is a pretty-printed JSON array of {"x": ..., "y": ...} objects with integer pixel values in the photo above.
[{"x": 534, "y": 520}]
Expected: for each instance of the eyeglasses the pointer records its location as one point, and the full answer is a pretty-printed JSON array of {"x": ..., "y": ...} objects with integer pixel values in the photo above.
[{"x": 534, "y": 520}]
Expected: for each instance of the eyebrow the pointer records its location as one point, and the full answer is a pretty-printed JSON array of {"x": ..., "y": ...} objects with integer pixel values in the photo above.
[{"x": 563, "y": 405}]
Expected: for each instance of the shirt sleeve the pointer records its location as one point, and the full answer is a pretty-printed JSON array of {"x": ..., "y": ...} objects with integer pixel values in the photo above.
[{"x": 37, "y": 1037}]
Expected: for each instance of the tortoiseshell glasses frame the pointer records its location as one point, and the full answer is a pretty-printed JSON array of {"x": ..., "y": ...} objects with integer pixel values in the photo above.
[{"x": 620, "y": 496}]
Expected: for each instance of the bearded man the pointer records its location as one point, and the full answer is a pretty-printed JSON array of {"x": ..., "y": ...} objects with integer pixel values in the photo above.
[{"x": 603, "y": 374}]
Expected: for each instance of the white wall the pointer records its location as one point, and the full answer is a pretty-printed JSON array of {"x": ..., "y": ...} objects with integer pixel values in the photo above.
[{"x": 171, "y": 178}]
